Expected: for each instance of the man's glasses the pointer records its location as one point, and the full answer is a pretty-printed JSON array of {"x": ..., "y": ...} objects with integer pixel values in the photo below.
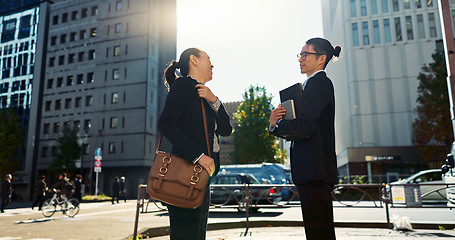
[{"x": 303, "y": 55}]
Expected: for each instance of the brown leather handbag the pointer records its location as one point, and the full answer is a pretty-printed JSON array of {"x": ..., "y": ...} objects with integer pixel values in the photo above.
[{"x": 175, "y": 180}]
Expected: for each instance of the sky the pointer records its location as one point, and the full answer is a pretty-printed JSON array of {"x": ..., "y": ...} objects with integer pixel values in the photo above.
[{"x": 250, "y": 42}]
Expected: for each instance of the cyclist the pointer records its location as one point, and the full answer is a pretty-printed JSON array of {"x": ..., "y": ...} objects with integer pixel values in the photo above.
[{"x": 64, "y": 185}]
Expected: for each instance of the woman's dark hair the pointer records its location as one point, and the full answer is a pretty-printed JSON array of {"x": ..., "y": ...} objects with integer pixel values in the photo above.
[
  {"x": 183, "y": 64},
  {"x": 323, "y": 46}
]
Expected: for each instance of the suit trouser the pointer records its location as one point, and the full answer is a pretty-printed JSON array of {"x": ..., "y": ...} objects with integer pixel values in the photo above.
[
  {"x": 5, "y": 201},
  {"x": 189, "y": 224},
  {"x": 317, "y": 210}
]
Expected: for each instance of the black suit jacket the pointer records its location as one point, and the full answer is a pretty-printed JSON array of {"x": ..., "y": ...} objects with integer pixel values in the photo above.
[
  {"x": 313, "y": 154},
  {"x": 6, "y": 189},
  {"x": 181, "y": 121}
]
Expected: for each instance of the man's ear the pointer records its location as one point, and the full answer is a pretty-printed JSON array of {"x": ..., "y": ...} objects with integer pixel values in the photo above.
[
  {"x": 322, "y": 59},
  {"x": 193, "y": 59}
]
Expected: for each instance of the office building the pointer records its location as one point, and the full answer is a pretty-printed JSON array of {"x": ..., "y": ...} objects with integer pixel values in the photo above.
[{"x": 385, "y": 45}]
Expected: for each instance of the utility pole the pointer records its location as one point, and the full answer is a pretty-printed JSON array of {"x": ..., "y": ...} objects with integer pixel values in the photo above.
[{"x": 449, "y": 51}]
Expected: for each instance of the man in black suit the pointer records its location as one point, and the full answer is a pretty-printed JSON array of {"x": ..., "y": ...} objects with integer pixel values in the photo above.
[
  {"x": 6, "y": 192},
  {"x": 313, "y": 158}
]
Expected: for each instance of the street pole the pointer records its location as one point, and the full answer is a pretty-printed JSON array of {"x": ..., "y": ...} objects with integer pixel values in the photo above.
[{"x": 449, "y": 50}]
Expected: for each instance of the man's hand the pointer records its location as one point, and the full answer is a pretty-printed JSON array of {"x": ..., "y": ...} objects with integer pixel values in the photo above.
[
  {"x": 277, "y": 114},
  {"x": 205, "y": 92},
  {"x": 207, "y": 163}
]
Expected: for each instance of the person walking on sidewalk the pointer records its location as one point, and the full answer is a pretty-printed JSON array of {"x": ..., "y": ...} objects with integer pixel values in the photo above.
[
  {"x": 40, "y": 192},
  {"x": 77, "y": 188},
  {"x": 313, "y": 158},
  {"x": 115, "y": 190},
  {"x": 6, "y": 192},
  {"x": 122, "y": 188}
]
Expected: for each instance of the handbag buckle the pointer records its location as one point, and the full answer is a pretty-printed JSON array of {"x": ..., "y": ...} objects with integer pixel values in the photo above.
[
  {"x": 194, "y": 179},
  {"x": 169, "y": 159},
  {"x": 163, "y": 171},
  {"x": 197, "y": 168}
]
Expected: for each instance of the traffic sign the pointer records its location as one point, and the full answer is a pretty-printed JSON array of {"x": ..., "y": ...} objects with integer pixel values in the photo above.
[
  {"x": 98, "y": 157},
  {"x": 98, "y": 152},
  {"x": 97, "y": 169},
  {"x": 97, "y": 163}
]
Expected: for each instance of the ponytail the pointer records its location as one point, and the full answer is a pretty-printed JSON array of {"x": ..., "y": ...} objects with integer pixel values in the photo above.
[{"x": 183, "y": 64}]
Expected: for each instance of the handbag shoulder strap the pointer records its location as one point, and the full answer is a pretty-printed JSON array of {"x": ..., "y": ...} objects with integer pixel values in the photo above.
[{"x": 204, "y": 116}]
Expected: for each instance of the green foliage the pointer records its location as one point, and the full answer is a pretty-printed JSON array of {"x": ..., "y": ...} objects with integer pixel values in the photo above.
[
  {"x": 252, "y": 141},
  {"x": 11, "y": 141},
  {"x": 432, "y": 132},
  {"x": 69, "y": 151}
]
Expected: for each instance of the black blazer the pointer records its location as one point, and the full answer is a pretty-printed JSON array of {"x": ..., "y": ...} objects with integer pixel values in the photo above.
[
  {"x": 313, "y": 154},
  {"x": 181, "y": 121},
  {"x": 6, "y": 189}
]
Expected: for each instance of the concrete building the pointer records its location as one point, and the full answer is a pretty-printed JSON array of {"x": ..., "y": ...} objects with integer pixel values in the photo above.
[
  {"x": 385, "y": 44},
  {"x": 100, "y": 71}
]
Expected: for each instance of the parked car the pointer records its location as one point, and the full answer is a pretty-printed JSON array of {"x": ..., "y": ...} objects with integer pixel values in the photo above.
[
  {"x": 423, "y": 179},
  {"x": 233, "y": 195},
  {"x": 266, "y": 173}
]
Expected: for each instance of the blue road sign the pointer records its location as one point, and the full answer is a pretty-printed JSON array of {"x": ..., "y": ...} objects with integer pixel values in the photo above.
[{"x": 98, "y": 152}]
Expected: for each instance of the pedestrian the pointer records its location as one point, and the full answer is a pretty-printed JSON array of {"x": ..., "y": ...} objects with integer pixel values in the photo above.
[
  {"x": 115, "y": 190},
  {"x": 313, "y": 158},
  {"x": 40, "y": 192},
  {"x": 6, "y": 192},
  {"x": 122, "y": 188},
  {"x": 181, "y": 122},
  {"x": 64, "y": 186},
  {"x": 77, "y": 182}
]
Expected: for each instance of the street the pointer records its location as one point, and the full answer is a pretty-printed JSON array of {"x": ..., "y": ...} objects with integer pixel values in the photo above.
[{"x": 106, "y": 221}]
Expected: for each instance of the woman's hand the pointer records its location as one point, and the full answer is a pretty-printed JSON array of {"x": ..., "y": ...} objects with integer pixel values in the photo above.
[
  {"x": 205, "y": 92},
  {"x": 277, "y": 114},
  {"x": 207, "y": 163}
]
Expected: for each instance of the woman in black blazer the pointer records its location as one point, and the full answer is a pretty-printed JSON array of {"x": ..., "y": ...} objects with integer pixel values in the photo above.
[{"x": 181, "y": 122}]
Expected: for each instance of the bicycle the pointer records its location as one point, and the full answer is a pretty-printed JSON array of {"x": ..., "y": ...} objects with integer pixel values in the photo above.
[{"x": 70, "y": 207}]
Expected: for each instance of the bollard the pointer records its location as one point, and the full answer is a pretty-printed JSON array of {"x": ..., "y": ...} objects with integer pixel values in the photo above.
[
  {"x": 386, "y": 201},
  {"x": 138, "y": 206}
]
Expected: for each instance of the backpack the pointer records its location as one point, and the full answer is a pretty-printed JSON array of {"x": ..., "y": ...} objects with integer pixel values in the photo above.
[{"x": 69, "y": 186}]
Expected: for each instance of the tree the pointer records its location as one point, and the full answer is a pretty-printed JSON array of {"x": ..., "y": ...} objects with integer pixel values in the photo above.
[
  {"x": 69, "y": 151},
  {"x": 11, "y": 141},
  {"x": 252, "y": 140},
  {"x": 432, "y": 132}
]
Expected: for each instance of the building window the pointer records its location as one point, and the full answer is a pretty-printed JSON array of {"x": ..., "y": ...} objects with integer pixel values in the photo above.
[
  {"x": 363, "y": 7},
  {"x": 87, "y": 124},
  {"x": 64, "y": 17},
  {"x": 112, "y": 147},
  {"x": 113, "y": 122},
  {"x": 50, "y": 83},
  {"x": 395, "y": 5},
  {"x": 77, "y": 125},
  {"x": 67, "y": 103},
  {"x": 353, "y": 9},
  {"x": 51, "y": 61},
  {"x": 114, "y": 98},
  {"x": 60, "y": 82},
  {"x": 69, "y": 81},
  {"x": 44, "y": 151},
  {"x": 118, "y": 28},
  {"x": 418, "y": 4},
  {"x": 376, "y": 33},
  {"x": 116, "y": 50},
  {"x": 374, "y": 7},
  {"x": 88, "y": 101},
  {"x": 90, "y": 77},
  {"x": 365, "y": 34},
  {"x": 53, "y": 40},
  {"x": 387, "y": 33},
  {"x": 56, "y": 127},
  {"x": 92, "y": 32},
  {"x": 432, "y": 24},
  {"x": 355, "y": 35},
  {"x": 398, "y": 29},
  {"x": 116, "y": 74},
  {"x": 48, "y": 105},
  {"x": 84, "y": 13},
  {"x": 73, "y": 15},
  {"x": 80, "y": 56},
  {"x": 46, "y": 128},
  {"x": 80, "y": 79},
  {"x": 91, "y": 54},
  {"x": 55, "y": 20},
  {"x": 409, "y": 31},
  {"x": 420, "y": 26},
  {"x": 61, "y": 60},
  {"x": 94, "y": 11},
  {"x": 83, "y": 34},
  {"x": 63, "y": 38},
  {"x": 73, "y": 36},
  {"x": 406, "y": 4},
  {"x": 71, "y": 57},
  {"x": 78, "y": 102},
  {"x": 58, "y": 104},
  {"x": 119, "y": 6},
  {"x": 429, "y": 3}
]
